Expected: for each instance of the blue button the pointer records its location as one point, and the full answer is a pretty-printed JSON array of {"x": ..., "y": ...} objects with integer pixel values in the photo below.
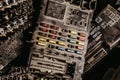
[
  {"x": 79, "y": 52},
  {"x": 60, "y": 48},
  {"x": 61, "y": 39},
  {"x": 70, "y": 50}
]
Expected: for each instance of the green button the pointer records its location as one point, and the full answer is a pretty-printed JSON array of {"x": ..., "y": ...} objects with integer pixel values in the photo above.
[
  {"x": 72, "y": 41},
  {"x": 73, "y": 36}
]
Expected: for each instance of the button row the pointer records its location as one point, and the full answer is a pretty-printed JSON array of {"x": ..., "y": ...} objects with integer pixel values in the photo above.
[
  {"x": 62, "y": 39},
  {"x": 63, "y": 30},
  {"x": 67, "y": 49},
  {"x": 42, "y": 42},
  {"x": 49, "y": 26}
]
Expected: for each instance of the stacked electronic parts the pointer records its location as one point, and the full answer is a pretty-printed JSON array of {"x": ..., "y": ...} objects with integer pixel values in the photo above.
[
  {"x": 15, "y": 15},
  {"x": 104, "y": 35},
  {"x": 60, "y": 40}
]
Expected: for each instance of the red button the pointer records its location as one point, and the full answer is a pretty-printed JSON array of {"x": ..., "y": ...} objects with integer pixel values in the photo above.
[
  {"x": 80, "y": 47},
  {"x": 52, "y": 36},
  {"x": 81, "y": 38},
  {"x": 44, "y": 25},
  {"x": 54, "y": 27},
  {"x": 43, "y": 29}
]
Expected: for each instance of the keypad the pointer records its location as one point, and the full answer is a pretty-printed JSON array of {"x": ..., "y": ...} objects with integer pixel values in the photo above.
[{"x": 61, "y": 39}]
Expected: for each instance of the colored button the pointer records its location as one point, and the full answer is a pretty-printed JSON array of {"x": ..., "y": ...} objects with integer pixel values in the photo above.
[
  {"x": 72, "y": 36},
  {"x": 82, "y": 34},
  {"x": 72, "y": 41},
  {"x": 61, "y": 43},
  {"x": 61, "y": 39},
  {"x": 42, "y": 39},
  {"x": 54, "y": 27},
  {"x": 43, "y": 29},
  {"x": 42, "y": 34},
  {"x": 73, "y": 32},
  {"x": 80, "y": 47},
  {"x": 44, "y": 25},
  {"x": 41, "y": 43},
  {"x": 52, "y": 36},
  {"x": 79, "y": 52},
  {"x": 53, "y": 32},
  {"x": 81, "y": 38},
  {"x": 81, "y": 43},
  {"x": 70, "y": 50},
  {"x": 51, "y": 46},
  {"x": 70, "y": 46},
  {"x": 60, "y": 48},
  {"x": 51, "y": 41},
  {"x": 63, "y": 34}
]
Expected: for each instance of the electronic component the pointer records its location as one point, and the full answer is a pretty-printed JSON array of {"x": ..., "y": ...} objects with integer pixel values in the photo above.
[
  {"x": 62, "y": 35},
  {"x": 108, "y": 20},
  {"x": 104, "y": 30}
]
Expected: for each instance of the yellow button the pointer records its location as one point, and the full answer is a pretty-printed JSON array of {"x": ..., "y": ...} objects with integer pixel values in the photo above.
[
  {"x": 61, "y": 43},
  {"x": 81, "y": 43},
  {"x": 73, "y": 32},
  {"x": 42, "y": 39},
  {"x": 41, "y": 44},
  {"x": 52, "y": 42}
]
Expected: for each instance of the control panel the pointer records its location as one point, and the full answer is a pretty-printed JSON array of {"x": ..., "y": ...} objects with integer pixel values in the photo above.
[{"x": 60, "y": 40}]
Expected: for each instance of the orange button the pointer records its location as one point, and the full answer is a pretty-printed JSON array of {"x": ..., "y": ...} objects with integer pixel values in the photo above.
[{"x": 82, "y": 34}]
